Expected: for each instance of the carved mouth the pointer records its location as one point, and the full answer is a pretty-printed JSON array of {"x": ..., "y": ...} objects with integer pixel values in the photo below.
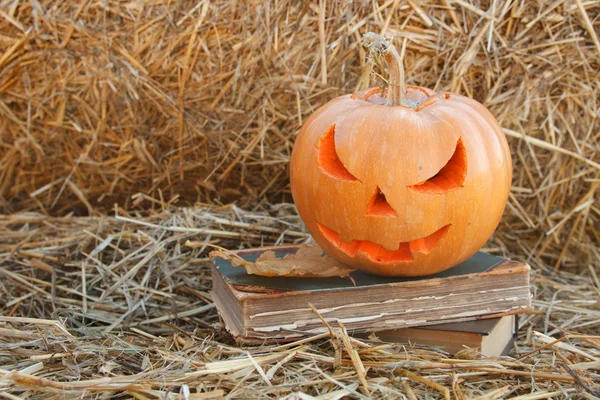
[{"x": 378, "y": 253}]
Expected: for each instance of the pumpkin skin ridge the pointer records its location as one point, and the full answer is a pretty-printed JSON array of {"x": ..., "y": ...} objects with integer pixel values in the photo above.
[{"x": 466, "y": 209}]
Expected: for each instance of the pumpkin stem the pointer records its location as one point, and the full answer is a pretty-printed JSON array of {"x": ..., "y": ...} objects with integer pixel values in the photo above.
[{"x": 383, "y": 51}]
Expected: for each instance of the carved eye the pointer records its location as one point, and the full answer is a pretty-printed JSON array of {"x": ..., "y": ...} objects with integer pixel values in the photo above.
[
  {"x": 450, "y": 177},
  {"x": 328, "y": 160}
]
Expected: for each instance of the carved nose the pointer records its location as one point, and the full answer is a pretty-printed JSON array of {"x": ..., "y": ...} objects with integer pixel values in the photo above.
[{"x": 378, "y": 205}]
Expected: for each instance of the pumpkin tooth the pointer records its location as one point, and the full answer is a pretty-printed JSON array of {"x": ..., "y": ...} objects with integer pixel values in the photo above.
[
  {"x": 378, "y": 253},
  {"x": 335, "y": 239},
  {"x": 428, "y": 243},
  {"x": 374, "y": 251}
]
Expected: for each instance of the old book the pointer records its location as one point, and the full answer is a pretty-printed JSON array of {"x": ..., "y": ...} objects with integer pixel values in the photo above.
[
  {"x": 492, "y": 337},
  {"x": 256, "y": 308}
]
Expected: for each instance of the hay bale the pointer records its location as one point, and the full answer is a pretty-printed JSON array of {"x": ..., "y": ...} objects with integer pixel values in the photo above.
[{"x": 199, "y": 102}]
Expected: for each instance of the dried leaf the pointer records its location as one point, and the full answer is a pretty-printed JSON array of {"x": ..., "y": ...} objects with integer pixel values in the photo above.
[{"x": 307, "y": 262}]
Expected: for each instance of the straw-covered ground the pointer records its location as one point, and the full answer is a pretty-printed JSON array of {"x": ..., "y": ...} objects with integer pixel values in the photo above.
[
  {"x": 114, "y": 113},
  {"x": 119, "y": 306}
]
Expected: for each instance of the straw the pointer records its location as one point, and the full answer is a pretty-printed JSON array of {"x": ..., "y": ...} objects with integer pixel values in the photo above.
[{"x": 157, "y": 333}]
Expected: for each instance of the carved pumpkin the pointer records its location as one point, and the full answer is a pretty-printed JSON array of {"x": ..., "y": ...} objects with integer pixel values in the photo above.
[{"x": 401, "y": 187}]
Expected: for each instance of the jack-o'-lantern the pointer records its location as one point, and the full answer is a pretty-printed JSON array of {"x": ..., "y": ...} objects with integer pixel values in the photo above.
[{"x": 405, "y": 183}]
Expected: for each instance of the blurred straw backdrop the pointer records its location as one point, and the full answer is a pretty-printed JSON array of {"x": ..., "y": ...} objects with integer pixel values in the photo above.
[{"x": 138, "y": 103}]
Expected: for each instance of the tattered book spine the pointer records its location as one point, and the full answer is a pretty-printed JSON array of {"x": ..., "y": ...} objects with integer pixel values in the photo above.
[
  {"x": 482, "y": 296},
  {"x": 384, "y": 321}
]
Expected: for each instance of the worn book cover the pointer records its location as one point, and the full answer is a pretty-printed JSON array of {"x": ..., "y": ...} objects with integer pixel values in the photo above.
[
  {"x": 492, "y": 337},
  {"x": 258, "y": 308}
]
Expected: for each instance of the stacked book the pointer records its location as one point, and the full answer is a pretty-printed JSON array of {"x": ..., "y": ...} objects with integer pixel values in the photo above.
[{"x": 472, "y": 305}]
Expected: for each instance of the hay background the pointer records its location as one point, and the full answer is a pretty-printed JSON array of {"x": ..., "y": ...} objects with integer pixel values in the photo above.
[{"x": 200, "y": 101}]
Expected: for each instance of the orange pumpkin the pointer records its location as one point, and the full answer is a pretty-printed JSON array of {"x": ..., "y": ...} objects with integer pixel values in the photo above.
[{"x": 407, "y": 184}]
